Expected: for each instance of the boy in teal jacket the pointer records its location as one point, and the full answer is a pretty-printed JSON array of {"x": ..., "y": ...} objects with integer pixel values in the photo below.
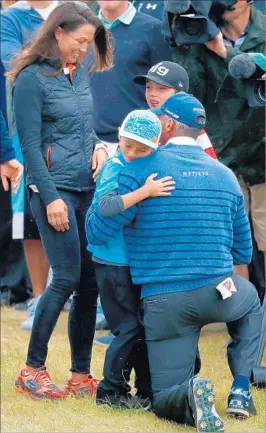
[{"x": 139, "y": 137}]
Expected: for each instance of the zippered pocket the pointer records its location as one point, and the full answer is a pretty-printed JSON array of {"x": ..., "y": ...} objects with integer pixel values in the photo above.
[{"x": 48, "y": 156}]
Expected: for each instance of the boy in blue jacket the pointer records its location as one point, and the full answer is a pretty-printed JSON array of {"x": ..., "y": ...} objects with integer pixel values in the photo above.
[{"x": 139, "y": 137}]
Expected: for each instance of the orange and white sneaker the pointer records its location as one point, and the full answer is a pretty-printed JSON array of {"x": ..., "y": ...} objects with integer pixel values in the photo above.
[
  {"x": 38, "y": 385},
  {"x": 87, "y": 387}
]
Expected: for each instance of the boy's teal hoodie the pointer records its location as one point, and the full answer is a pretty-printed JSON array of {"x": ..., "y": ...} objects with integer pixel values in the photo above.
[{"x": 113, "y": 252}]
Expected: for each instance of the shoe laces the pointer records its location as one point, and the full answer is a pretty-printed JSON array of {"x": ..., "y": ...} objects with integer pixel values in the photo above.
[
  {"x": 89, "y": 381},
  {"x": 240, "y": 391},
  {"x": 45, "y": 380},
  {"x": 93, "y": 382}
]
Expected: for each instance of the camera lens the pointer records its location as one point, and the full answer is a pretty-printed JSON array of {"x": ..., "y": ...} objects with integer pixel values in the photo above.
[
  {"x": 260, "y": 91},
  {"x": 193, "y": 28}
]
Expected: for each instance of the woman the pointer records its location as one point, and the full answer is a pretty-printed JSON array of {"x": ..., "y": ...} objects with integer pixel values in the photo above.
[{"x": 53, "y": 110}]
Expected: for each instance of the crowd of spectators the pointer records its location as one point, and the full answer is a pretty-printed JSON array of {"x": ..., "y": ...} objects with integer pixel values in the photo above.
[{"x": 122, "y": 59}]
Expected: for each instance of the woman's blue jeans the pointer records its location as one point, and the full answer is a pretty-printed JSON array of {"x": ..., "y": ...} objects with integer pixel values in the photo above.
[{"x": 73, "y": 271}]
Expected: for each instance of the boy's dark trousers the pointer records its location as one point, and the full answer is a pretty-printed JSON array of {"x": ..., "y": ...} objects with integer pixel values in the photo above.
[{"x": 120, "y": 300}]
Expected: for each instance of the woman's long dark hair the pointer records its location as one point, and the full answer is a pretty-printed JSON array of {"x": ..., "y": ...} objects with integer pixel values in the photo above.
[{"x": 69, "y": 16}]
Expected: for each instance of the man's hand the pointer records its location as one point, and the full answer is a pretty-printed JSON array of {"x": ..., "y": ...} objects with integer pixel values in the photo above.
[
  {"x": 11, "y": 171},
  {"x": 217, "y": 46},
  {"x": 57, "y": 214},
  {"x": 99, "y": 157}
]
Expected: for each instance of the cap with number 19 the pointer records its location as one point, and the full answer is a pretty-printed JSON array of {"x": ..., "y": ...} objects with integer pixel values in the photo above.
[{"x": 168, "y": 74}]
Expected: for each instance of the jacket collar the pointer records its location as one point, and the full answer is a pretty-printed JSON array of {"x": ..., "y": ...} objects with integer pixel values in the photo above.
[
  {"x": 183, "y": 141},
  {"x": 182, "y": 145},
  {"x": 126, "y": 18},
  {"x": 256, "y": 34}
]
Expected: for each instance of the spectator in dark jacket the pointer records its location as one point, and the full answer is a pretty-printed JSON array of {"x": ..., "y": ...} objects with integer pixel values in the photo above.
[{"x": 53, "y": 110}]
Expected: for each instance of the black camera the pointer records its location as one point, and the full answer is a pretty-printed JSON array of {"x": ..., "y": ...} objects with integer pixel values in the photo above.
[
  {"x": 256, "y": 92},
  {"x": 250, "y": 68},
  {"x": 195, "y": 21}
]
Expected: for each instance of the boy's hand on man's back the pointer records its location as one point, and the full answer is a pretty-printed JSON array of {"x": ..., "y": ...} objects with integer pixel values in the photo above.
[{"x": 160, "y": 187}]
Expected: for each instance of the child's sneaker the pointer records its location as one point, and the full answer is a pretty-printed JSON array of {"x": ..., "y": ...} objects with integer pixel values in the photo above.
[
  {"x": 104, "y": 340},
  {"x": 101, "y": 324},
  {"x": 241, "y": 404},
  {"x": 28, "y": 323},
  {"x": 123, "y": 401},
  {"x": 87, "y": 387},
  {"x": 38, "y": 385},
  {"x": 202, "y": 399}
]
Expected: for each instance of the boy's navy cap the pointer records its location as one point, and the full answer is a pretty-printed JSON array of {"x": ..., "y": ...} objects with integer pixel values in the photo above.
[
  {"x": 185, "y": 109},
  {"x": 168, "y": 74}
]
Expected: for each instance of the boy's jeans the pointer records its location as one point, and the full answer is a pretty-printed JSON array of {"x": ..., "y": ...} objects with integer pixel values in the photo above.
[{"x": 120, "y": 301}]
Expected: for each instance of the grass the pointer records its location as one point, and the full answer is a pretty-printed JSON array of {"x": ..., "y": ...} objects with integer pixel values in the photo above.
[{"x": 21, "y": 414}]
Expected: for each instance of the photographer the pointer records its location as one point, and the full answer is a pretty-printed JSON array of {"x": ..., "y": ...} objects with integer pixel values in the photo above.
[{"x": 235, "y": 129}]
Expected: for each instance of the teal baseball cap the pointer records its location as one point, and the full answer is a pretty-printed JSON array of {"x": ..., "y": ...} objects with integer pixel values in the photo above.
[
  {"x": 185, "y": 109},
  {"x": 142, "y": 126}
]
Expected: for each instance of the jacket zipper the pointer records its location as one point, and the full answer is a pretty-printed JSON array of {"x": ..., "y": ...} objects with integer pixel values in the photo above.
[
  {"x": 48, "y": 156},
  {"x": 76, "y": 97}
]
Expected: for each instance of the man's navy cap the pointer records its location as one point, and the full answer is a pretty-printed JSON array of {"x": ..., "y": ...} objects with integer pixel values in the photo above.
[
  {"x": 168, "y": 74},
  {"x": 185, "y": 109}
]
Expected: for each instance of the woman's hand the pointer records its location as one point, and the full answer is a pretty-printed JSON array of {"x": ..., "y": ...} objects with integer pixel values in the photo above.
[
  {"x": 159, "y": 188},
  {"x": 57, "y": 214},
  {"x": 99, "y": 157}
]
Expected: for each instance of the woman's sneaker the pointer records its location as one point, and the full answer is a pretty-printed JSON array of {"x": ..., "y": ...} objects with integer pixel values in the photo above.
[
  {"x": 87, "y": 387},
  {"x": 38, "y": 385},
  {"x": 202, "y": 399},
  {"x": 241, "y": 404}
]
